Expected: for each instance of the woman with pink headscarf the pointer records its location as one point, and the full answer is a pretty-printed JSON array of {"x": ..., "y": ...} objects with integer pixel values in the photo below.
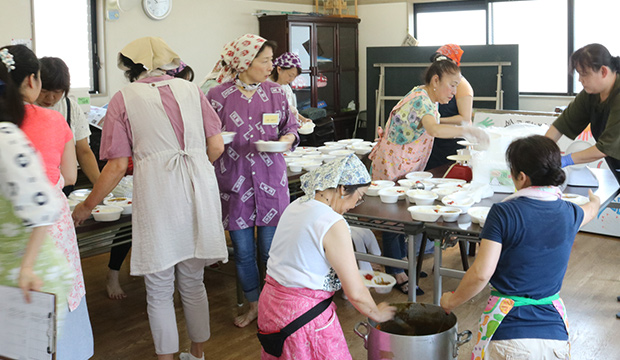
[
  {"x": 286, "y": 68},
  {"x": 457, "y": 111},
  {"x": 253, "y": 184}
]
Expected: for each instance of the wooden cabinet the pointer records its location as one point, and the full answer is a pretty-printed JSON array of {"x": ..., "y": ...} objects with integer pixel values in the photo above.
[{"x": 328, "y": 49}]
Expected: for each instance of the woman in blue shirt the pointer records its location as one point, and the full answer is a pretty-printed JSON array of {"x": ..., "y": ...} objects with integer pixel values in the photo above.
[{"x": 525, "y": 315}]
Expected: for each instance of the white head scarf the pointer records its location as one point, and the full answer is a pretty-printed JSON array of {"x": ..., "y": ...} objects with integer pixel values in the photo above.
[
  {"x": 237, "y": 55},
  {"x": 348, "y": 170}
]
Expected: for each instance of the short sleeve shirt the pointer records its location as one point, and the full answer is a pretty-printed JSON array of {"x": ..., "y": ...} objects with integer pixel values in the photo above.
[
  {"x": 79, "y": 123},
  {"x": 406, "y": 117},
  {"x": 576, "y": 118}
]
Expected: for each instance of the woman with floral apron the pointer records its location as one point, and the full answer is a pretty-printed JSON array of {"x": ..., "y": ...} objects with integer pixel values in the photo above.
[
  {"x": 525, "y": 317},
  {"x": 52, "y": 138},
  {"x": 407, "y": 141}
]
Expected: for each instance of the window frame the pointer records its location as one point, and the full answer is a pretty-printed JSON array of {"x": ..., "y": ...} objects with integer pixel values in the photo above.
[
  {"x": 486, "y": 6},
  {"x": 95, "y": 40}
]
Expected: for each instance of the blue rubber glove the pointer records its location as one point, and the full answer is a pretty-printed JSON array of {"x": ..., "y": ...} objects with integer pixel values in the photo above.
[{"x": 567, "y": 160}]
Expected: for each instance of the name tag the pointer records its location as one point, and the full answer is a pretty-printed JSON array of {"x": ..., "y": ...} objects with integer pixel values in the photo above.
[{"x": 271, "y": 119}]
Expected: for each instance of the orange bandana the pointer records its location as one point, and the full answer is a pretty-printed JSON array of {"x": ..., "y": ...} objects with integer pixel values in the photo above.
[{"x": 452, "y": 51}]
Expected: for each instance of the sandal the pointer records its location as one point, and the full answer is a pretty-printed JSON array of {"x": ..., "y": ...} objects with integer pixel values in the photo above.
[{"x": 401, "y": 286}]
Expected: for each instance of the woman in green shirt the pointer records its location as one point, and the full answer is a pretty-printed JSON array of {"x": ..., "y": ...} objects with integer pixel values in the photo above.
[{"x": 597, "y": 105}]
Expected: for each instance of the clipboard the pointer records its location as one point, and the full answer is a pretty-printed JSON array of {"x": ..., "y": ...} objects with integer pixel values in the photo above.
[{"x": 28, "y": 330}]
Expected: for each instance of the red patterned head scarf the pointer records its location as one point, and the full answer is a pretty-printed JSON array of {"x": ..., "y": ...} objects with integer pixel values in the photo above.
[
  {"x": 451, "y": 51},
  {"x": 237, "y": 55}
]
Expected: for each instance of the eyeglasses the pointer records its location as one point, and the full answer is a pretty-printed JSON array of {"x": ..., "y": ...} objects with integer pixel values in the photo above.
[{"x": 361, "y": 199}]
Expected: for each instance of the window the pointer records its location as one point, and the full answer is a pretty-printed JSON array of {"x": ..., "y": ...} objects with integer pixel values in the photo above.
[
  {"x": 547, "y": 32},
  {"x": 73, "y": 39}
]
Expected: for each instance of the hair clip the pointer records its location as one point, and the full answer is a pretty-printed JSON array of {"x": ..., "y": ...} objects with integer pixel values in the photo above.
[
  {"x": 7, "y": 59},
  {"x": 441, "y": 58}
]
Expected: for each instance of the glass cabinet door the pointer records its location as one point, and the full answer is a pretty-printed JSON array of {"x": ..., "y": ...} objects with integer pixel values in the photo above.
[
  {"x": 326, "y": 75},
  {"x": 301, "y": 44},
  {"x": 347, "y": 47}
]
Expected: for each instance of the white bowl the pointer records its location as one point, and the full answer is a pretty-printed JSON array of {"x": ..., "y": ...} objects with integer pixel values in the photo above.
[
  {"x": 462, "y": 201},
  {"x": 478, "y": 214},
  {"x": 442, "y": 181},
  {"x": 328, "y": 149},
  {"x": 312, "y": 156},
  {"x": 124, "y": 202},
  {"x": 450, "y": 213},
  {"x": 390, "y": 195},
  {"x": 576, "y": 199},
  {"x": 272, "y": 146},
  {"x": 312, "y": 165},
  {"x": 445, "y": 191},
  {"x": 306, "y": 128},
  {"x": 382, "y": 282},
  {"x": 82, "y": 194},
  {"x": 333, "y": 143},
  {"x": 413, "y": 183},
  {"x": 107, "y": 212},
  {"x": 350, "y": 141},
  {"x": 228, "y": 136},
  {"x": 341, "y": 153},
  {"x": 428, "y": 213},
  {"x": 419, "y": 175},
  {"x": 289, "y": 160},
  {"x": 376, "y": 185},
  {"x": 361, "y": 150},
  {"x": 293, "y": 154},
  {"x": 296, "y": 166},
  {"x": 306, "y": 149},
  {"x": 421, "y": 197}
]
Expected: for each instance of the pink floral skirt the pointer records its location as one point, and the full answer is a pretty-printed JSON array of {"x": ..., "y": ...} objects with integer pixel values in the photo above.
[{"x": 321, "y": 338}]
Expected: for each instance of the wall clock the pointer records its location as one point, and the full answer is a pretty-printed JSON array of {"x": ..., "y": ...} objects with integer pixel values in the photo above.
[{"x": 157, "y": 9}]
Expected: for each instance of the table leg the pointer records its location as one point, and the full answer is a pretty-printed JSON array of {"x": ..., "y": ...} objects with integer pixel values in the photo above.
[
  {"x": 437, "y": 273},
  {"x": 412, "y": 260}
]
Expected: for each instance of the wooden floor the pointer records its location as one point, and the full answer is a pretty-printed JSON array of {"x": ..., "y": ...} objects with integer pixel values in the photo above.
[{"x": 590, "y": 289}]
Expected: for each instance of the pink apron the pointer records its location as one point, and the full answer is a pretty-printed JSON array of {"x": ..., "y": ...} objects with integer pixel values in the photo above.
[{"x": 321, "y": 338}]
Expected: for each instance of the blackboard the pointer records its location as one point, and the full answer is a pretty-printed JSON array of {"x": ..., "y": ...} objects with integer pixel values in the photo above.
[{"x": 398, "y": 81}]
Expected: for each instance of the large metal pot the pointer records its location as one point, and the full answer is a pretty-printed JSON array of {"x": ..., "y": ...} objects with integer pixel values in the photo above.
[{"x": 419, "y": 331}]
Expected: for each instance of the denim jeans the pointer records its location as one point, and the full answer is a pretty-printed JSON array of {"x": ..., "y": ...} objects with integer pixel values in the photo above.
[
  {"x": 244, "y": 246},
  {"x": 395, "y": 246}
]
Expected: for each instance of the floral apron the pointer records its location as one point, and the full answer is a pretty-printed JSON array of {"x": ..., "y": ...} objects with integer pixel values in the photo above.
[
  {"x": 51, "y": 265},
  {"x": 498, "y": 306},
  {"x": 391, "y": 161}
]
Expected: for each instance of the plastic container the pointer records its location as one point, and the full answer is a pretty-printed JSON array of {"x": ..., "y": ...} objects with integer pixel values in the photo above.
[
  {"x": 450, "y": 213},
  {"x": 107, "y": 213},
  {"x": 377, "y": 185},
  {"x": 427, "y": 213}
]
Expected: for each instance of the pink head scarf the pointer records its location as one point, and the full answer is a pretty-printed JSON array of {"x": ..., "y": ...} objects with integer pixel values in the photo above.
[
  {"x": 451, "y": 51},
  {"x": 237, "y": 55}
]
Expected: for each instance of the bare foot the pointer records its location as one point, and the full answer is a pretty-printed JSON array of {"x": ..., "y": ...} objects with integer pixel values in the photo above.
[
  {"x": 113, "y": 286},
  {"x": 245, "y": 319}
]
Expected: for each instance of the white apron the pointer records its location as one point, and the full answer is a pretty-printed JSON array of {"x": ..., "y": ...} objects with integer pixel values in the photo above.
[{"x": 176, "y": 208}]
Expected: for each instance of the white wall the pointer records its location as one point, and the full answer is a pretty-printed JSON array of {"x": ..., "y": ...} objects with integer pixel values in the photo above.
[
  {"x": 196, "y": 29},
  {"x": 380, "y": 25}
]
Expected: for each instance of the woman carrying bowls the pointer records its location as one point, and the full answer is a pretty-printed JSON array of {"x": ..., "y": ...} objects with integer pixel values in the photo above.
[
  {"x": 286, "y": 68},
  {"x": 51, "y": 136},
  {"x": 168, "y": 128},
  {"x": 305, "y": 269},
  {"x": 253, "y": 184},
  {"x": 407, "y": 141},
  {"x": 525, "y": 317},
  {"x": 597, "y": 106}
]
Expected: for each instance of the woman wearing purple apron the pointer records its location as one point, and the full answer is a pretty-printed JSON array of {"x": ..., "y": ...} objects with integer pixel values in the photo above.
[{"x": 525, "y": 317}]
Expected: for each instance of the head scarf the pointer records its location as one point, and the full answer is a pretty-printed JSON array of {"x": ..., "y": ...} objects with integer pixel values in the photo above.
[
  {"x": 452, "y": 51},
  {"x": 153, "y": 53},
  {"x": 347, "y": 170},
  {"x": 238, "y": 55},
  {"x": 288, "y": 60},
  {"x": 173, "y": 72}
]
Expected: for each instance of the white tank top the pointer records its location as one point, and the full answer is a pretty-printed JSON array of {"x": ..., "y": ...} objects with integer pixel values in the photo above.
[{"x": 297, "y": 257}]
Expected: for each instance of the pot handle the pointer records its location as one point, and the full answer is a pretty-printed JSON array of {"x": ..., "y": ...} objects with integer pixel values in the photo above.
[
  {"x": 363, "y": 336},
  {"x": 461, "y": 339}
]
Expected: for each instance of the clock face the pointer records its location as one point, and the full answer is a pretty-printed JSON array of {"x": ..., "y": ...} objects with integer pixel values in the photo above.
[{"x": 157, "y": 9}]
